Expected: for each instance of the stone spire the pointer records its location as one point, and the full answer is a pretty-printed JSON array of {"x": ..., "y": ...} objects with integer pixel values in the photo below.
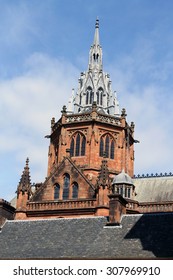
[
  {"x": 94, "y": 85},
  {"x": 95, "y": 54},
  {"x": 25, "y": 181}
]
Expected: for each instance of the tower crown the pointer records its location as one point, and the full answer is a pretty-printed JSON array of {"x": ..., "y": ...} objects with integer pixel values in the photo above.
[{"x": 94, "y": 85}]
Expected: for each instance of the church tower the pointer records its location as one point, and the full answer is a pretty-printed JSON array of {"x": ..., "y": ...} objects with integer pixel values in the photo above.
[
  {"x": 90, "y": 144},
  {"x": 92, "y": 125}
]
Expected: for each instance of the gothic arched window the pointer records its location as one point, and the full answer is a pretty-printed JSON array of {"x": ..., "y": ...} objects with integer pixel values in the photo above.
[
  {"x": 107, "y": 146},
  {"x": 77, "y": 151},
  {"x": 80, "y": 99},
  {"x": 66, "y": 186},
  {"x": 56, "y": 191},
  {"x": 75, "y": 190},
  {"x": 72, "y": 148},
  {"x": 101, "y": 147},
  {"x": 89, "y": 95},
  {"x": 78, "y": 145},
  {"x": 112, "y": 150},
  {"x": 83, "y": 144},
  {"x": 100, "y": 96}
]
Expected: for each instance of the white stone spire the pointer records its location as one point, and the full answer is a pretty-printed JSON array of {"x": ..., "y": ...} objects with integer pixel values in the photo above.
[
  {"x": 95, "y": 55},
  {"x": 95, "y": 85}
]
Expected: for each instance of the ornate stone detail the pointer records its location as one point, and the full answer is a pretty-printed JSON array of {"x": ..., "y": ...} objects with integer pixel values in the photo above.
[
  {"x": 108, "y": 119},
  {"x": 78, "y": 118}
]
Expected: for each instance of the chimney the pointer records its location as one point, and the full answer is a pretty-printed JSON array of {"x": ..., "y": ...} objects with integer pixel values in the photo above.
[{"x": 117, "y": 208}]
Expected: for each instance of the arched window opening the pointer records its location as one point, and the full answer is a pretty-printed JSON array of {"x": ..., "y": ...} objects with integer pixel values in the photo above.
[
  {"x": 83, "y": 146},
  {"x": 101, "y": 98},
  {"x": 80, "y": 99},
  {"x": 66, "y": 186},
  {"x": 75, "y": 190},
  {"x": 78, "y": 145},
  {"x": 128, "y": 193},
  {"x": 101, "y": 147},
  {"x": 125, "y": 192},
  {"x": 98, "y": 99},
  {"x": 56, "y": 191},
  {"x": 87, "y": 97},
  {"x": 72, "y": 147},
  {"x": 77, "y": 152},
  {"x": 112, "y": 150},
  {"x": 91, "y": 97},
  {"x": 107, "y": 146}
]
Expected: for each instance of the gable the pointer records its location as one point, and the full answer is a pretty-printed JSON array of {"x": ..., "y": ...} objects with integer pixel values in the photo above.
[{"x": 66, "y": 167}]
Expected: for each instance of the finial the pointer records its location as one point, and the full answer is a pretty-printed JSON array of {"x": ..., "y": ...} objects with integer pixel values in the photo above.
[
  {"x": 52, "y": 122},
  {"x": 123, "y": 113},
  {"x": 94, "y": 106},
  {"x": 64, "y": 110},
  {"x": 27, "y": 161},
  {"x": 97, "y": 23}
]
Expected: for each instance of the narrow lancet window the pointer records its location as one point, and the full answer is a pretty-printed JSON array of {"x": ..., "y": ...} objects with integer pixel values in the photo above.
[
  {"x": 112, "y": 150},
  {"x": 107, "y": 146},
  {"x": 101, "y": 147},
  {"x": 77, "y": 152},
  {"x": 66, "y": 186},
  {"x": 56, "y": 191},
  {"x": 91, "y": 97},
  {"x": 72, "y": 147},
  {"x": 83, "y": 146},
  {"x": 75, "y": 190}
]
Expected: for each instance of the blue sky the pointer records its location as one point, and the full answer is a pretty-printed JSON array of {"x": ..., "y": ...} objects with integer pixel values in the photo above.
[{"x": 44, "y": 45}]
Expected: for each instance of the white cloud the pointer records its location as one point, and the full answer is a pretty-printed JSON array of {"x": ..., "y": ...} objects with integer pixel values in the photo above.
[
  {"x": 145, "y": 90},
  {"x": 28, "y": 102}
]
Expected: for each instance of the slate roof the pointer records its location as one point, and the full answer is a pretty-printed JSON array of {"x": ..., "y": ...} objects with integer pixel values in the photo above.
[
  {"x": 155, "y": 189},
  {"x": 139, "y": 236}
]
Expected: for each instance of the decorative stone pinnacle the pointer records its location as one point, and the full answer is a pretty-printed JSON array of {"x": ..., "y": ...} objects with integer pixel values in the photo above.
[
  {"x": 52, "y": 122},
  {"x": 132, "y": 125},
  {"x": 25, "y": 182},
  {"x": 94, "y": 106},
  {"x": 123, "y": 113},
  {"x": 64, "y": 110}
]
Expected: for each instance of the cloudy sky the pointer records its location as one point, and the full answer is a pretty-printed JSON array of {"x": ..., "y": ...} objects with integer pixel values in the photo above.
[{"x": 44, "y": 45}]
